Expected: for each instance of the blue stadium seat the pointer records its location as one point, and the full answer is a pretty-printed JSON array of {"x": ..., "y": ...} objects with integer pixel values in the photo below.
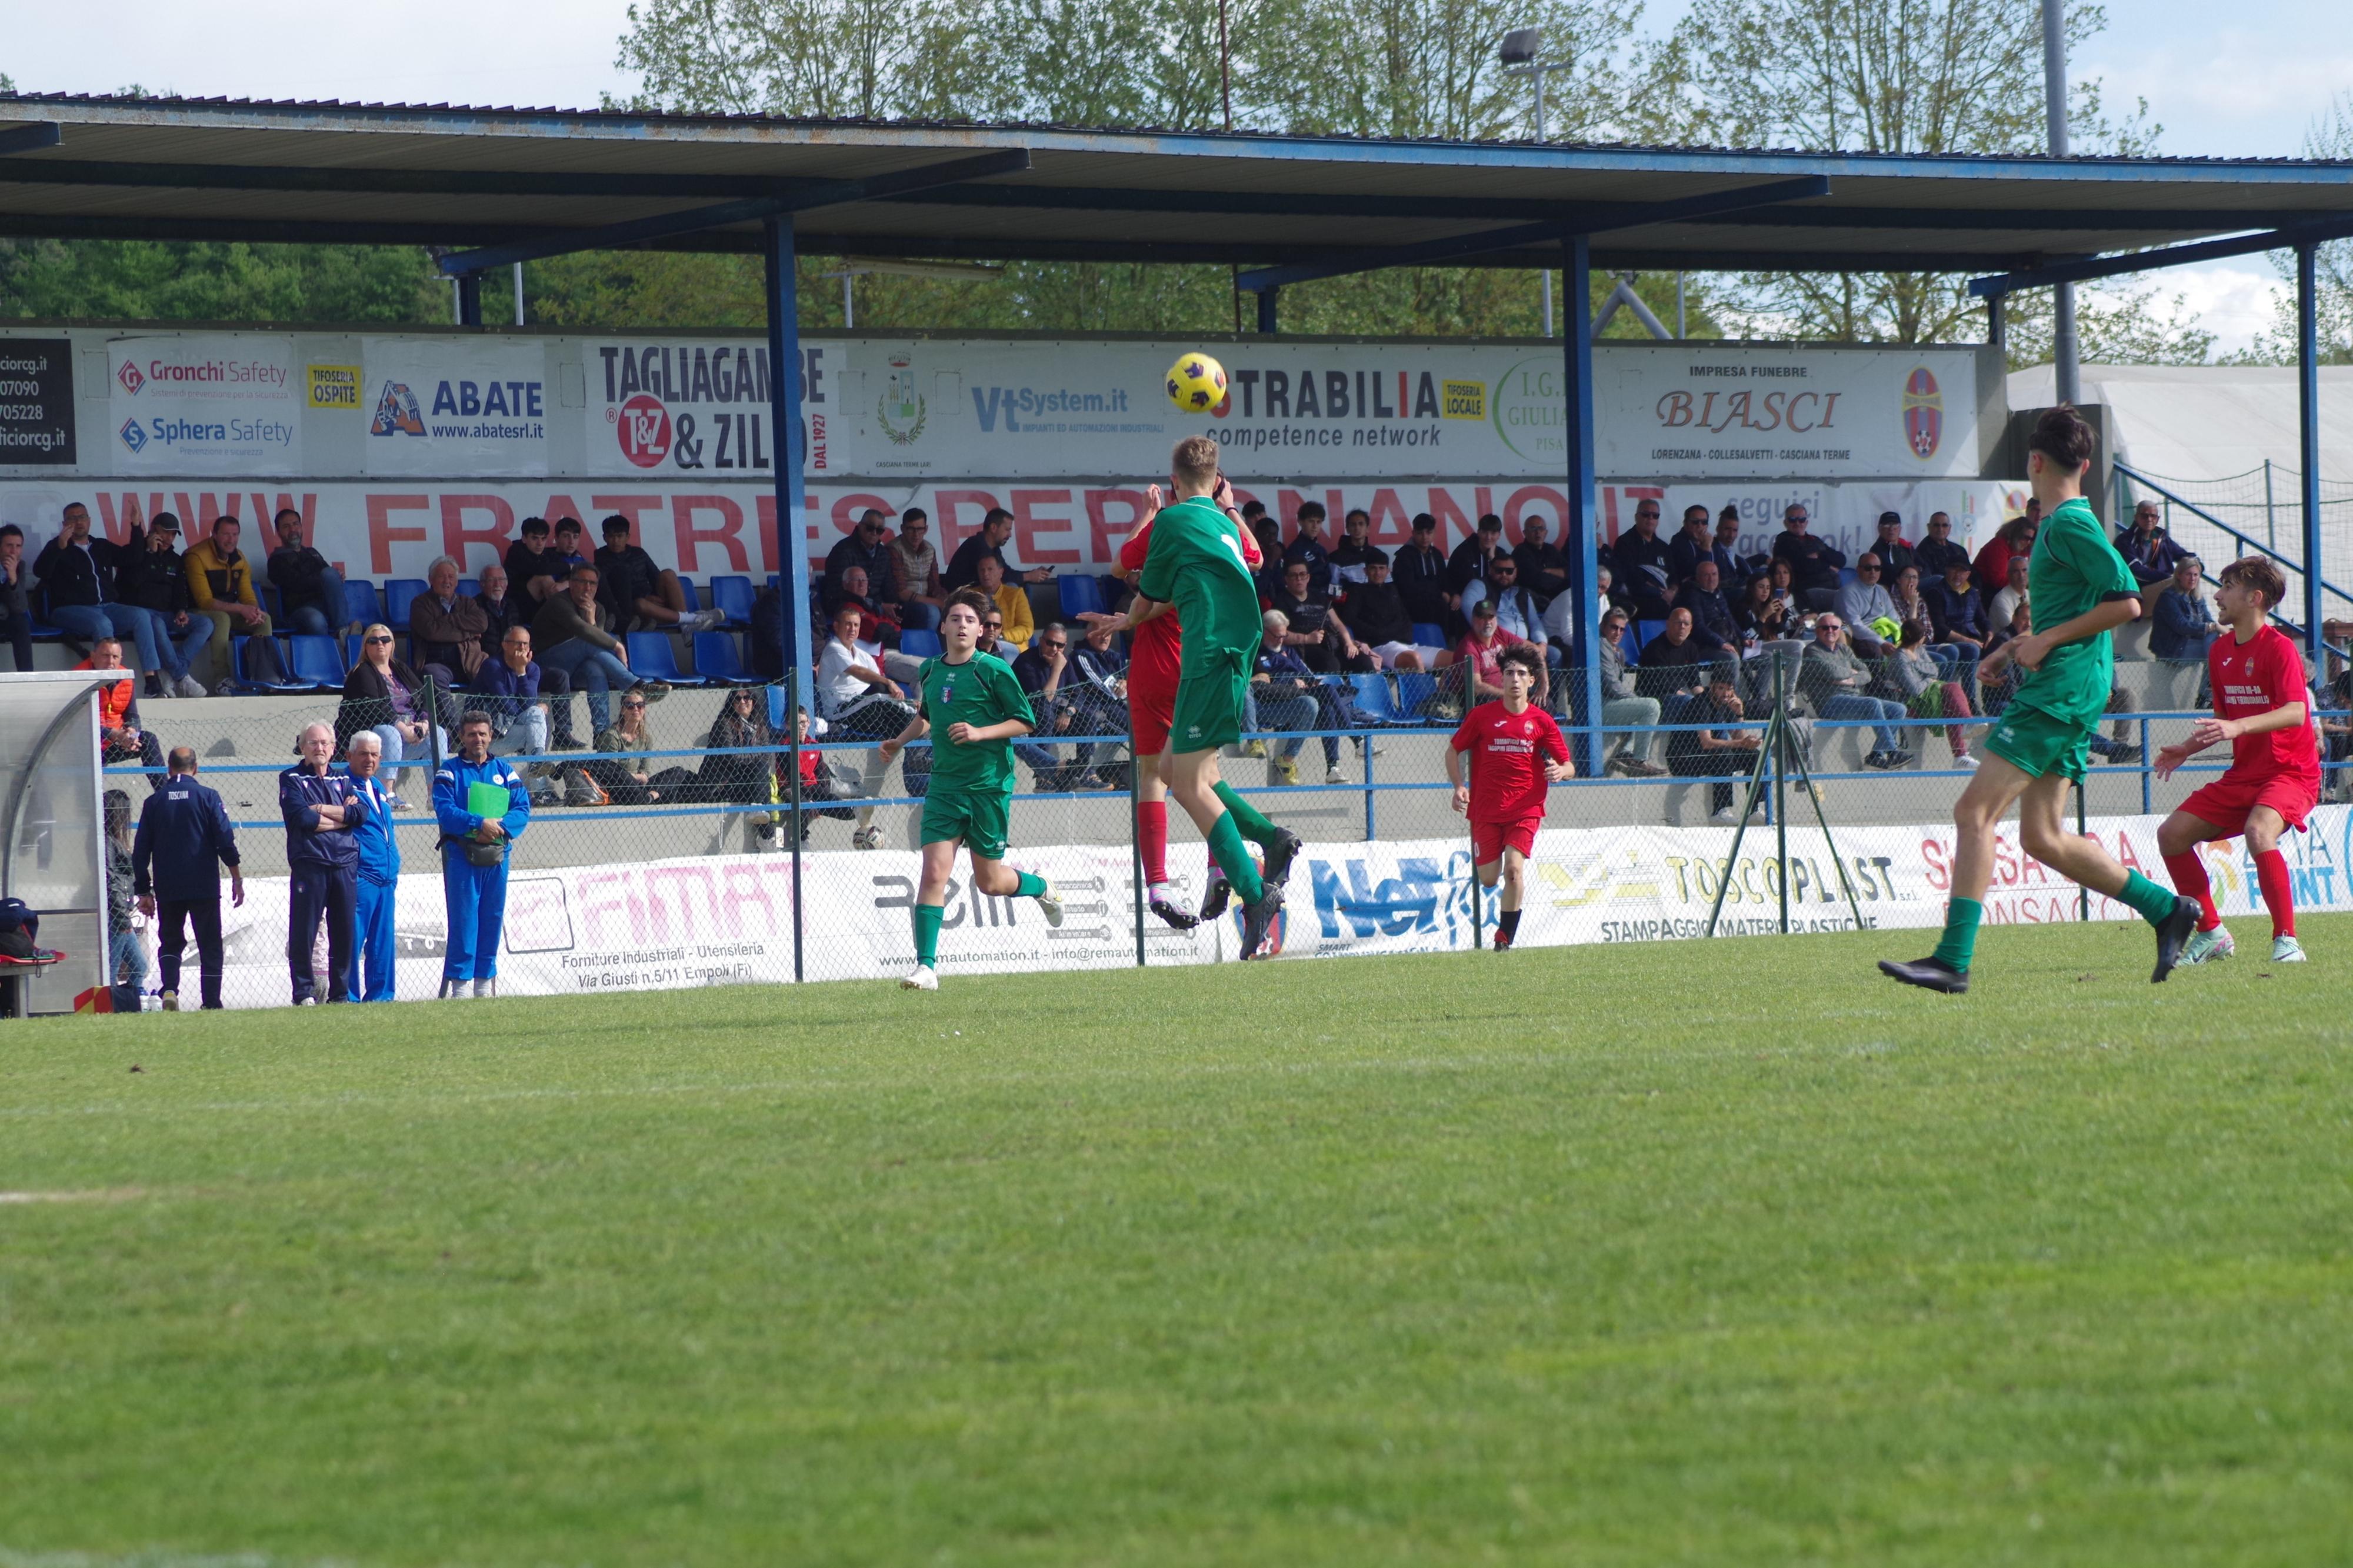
[
  {"x": 1081, "y": 596},
  {"x": 1416, "y": 687},
  {"x": 1640, "y": 636},
  {"x": 733, "y": 595},
  {"x": 1373, "y": 700},
  {"x": 361, "y": 604},
  {"x": 718, "y": 656},
  {"x": 469, "y": 588},
  {"x": 651, "y": 657},
  {"x": 1846, "y": 576},
  {"x": 399, "y": 593},
  {"x": 1428, "y": 634},
  {"x": 686, "y": 587},
  {"x": 313, "y": 662},
  {"x": 919, "y": 643},
  {"x": 242, "y": 676}
]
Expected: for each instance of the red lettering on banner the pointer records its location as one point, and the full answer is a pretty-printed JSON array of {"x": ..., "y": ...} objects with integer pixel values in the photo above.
[
  {"x": 206, "y": 511},
  {"x": 1389, "y": 520},
  {"x": 1286, "y": 509},
  {"x": 1028, "y": 523},
  {"x": 765, "y": 508},
  {"x": 637, "y": 508},
  {"x": 383, "y": 534},
  {"x": 1453, "y": 524},
  {"x": 1106, "y": 536},
  {"x": 118, "y": 524},
  {"x": 846, "y": 511},
  {"x": 1242, "y": 498},
  {"x": 1940, "y": 872},
  {"x": 456, "y": 537},
  {"x": 953, "y": 532},
  {"x": 727, "y": 534},
  {"x": 1525, "y": 493}
]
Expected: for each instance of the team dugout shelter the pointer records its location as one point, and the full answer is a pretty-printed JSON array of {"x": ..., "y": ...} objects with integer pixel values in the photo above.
[{"x": 491, "y": 187}]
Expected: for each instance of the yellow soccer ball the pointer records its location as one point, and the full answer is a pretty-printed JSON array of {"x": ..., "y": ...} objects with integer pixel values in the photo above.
[{"x": 1196, "y": 384}]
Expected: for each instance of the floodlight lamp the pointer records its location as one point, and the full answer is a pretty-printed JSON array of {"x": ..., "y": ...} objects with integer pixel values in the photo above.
[{"x": 1522, "y": 45}]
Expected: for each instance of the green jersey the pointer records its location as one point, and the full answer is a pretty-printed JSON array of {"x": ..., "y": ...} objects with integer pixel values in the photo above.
[
  {"x": 1195, "y": 560},
  {"x": 981, "y": 690},
  {"x": 2075, "y": 570}
]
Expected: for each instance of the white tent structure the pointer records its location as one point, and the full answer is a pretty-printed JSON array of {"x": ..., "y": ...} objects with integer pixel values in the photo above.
[{"x": 52, "y": 826}]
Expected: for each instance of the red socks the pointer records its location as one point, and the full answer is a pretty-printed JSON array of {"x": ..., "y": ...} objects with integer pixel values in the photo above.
[
  {"x": 2279, "y": 897},
  {"x": 2189, "y": 873},
  {"x": 1152, "y": 836}
]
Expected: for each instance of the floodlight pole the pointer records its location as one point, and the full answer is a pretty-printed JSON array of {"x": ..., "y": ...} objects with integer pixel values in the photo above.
[
  {"x": 2065, "y": 370},
  {"x": 792, "y": 528},
  {"x": 1535, "y": 66},
  {"x": 1577, "y": 432},
  {"x": 2308, "y": 432}
]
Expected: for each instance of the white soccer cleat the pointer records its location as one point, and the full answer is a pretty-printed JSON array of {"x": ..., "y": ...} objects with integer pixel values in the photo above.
[
  {"x": 2209, "y": 946},
  {"x": 1332, "y": 776},
  {"x": 866, "y": 838},
  {"x": 920, "y": 978},
  {"x": 2288, "y": 949},
  {"x": 1050, "y": 902}
]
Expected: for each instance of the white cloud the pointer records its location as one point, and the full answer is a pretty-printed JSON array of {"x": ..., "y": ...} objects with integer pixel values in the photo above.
[{"x": 2233, "y": 302}]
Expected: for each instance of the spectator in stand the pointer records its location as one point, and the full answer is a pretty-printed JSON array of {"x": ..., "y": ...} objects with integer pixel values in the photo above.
[
  {"x": 570, "y": 549},
  {"x": 915, "y": 573},
  {"x": 1737, "y": 566},
  {"x": 1355, "y": 549},
  {"x": 1995, "y": 690},
  {"x": 126, "y": 955},
  {"x": 1691, "y": 545},
  {"x": 533, "y": 568},
  {"x": 1044, "y": 670},
  {"x": 861, "y": 703},
  {"x": 1764, "y": 612},
  {"x": 864, "y": 546},
  {"x": 2014, "y": 541},
  {"x": 1469, "y": 563},
  {"x": 1515, "y": 608},
  {"x": 1839, "y": 685},
  {"x": 1935, "y": 555},
  {"x": 964, "y": 566},
  {"x": 1283, "y": 697},
  {"x": 508, "y": 690},
  {"x": 220, "y": 584},
  {"x": 880, "y": 622},
  {"x": 817, "y": 784},
  {"x": 1894, "y": 551},
  {"x": 1483, "y": 677},
  {"x": 501, "y": 608},
  {"x": 153, "y": 576},
  {"x": 2013, "y": 593},
  {"x": 730, "y": 773},
  {"x": 2150, "y": 551},
  {"x": 1098, "y": 695},
  {"x": 322, "y": 809},
  {"x": 1382, "y": 626},
  {"x": 77, "y": 573},
  {"x": 1543, "y": 570},
  {"x": 1643, "y": 565},
  {"x": 478, "y": 835},
  {"x": 183, "y": 840},
  {"x": 1674, "y": 664},
  {"x": 1927, "y": 694},
  {"x": 120, "y": 737},
  {"x": 1268, "y": 535},
  {"x": 1307, "y": 545},
  {"x": 15, "y": 604},
  {"x": 641, "y": 596},
  {"x": 446, "y": 627},
  {"x": 1011, "y": 603},
  {"x": 571, "y": 635},
  {"x": 1317, "y": 634},
  {"x": 1724, "y": 750},
  {"x": 1956, "y": 661},
  {"x": 310, "y": 591},
  {"x": 1957, "y": 611},
  {"x": 1712, "y": 621},
  {"x": 630, "y": 778},
  {"x": 2184, "y": 627},
  {"x": 992, "y": 635},
  {"x": 1864, "y": 603},
  {"x": 384, "y": 696},
  {"x": 374, "y": 942},
  {"x": 1622, "y": 706},
  {"x": 1420, "y": 570},
  {"x": 1813, "y": 565}
]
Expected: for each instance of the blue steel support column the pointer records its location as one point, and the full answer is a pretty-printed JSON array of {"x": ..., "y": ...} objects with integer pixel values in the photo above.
[
  {"x": 1577, "y": 429},
  {"x": 1266, "y": 311},
  {"x": 469, "y": 298},
  {"x": 792, "y": 524},
  {"x": 2307, "y": 429}
]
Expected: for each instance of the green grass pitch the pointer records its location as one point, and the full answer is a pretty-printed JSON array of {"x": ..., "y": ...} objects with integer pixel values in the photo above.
[{"x": 1684, "y": 1254}]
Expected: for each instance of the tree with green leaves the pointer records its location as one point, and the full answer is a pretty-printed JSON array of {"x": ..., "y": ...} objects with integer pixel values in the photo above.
[{"x": 2330, "y": 137}]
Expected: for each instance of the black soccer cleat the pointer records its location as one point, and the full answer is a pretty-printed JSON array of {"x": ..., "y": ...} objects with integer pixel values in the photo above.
[
  {"x": 1280, "y": 855},
  {"x": 1257, "y": 921},
  {"x": 1215, "y": 896},
  {"x": 1928, "y": 974},
  {"x": 1181, "y": 920},
  {"x": 2172, "y": 935},
  {"x": 1502, "y": 942}
]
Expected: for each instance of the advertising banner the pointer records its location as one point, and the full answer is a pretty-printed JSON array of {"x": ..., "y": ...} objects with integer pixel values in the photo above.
[
  {"x": 693, "y": 408},
  {"x": 37, "y": 401},
  {"x": 454, "y": 406},
  {"x": 223, "y": 403},
  {"x": 726, "y": 919}
]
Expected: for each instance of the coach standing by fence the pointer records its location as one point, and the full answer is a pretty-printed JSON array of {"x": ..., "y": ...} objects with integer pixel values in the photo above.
[
  {"x": 183, "y": 840},
  {"x": 478, "y": 832},
  {"x": 373, "y": 938},
  {"x": 322, "y": 812}
]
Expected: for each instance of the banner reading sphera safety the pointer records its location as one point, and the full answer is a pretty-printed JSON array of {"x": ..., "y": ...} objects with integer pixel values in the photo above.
[
  {"x": 455, "y": 406},
  {"x": 205, "y": 403}
]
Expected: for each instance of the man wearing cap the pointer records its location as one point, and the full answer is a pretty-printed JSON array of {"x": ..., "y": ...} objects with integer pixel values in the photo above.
[
  {"x": 183, "y": 840},
  {"x": 322, "y": 811},
  {"x": 152, "y": 576},
  {"x": 1894, "y": 551}
]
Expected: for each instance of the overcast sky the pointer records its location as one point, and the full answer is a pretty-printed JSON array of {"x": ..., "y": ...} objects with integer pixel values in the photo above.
[{"x": 2244, "y": 80}]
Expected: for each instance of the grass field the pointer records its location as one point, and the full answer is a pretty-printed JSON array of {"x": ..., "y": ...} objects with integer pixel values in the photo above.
[{"x": 1683, "y": 1254}]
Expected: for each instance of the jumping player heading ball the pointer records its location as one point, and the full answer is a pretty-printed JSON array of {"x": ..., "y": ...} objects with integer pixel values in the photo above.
[{"x": 1508, "y": 741}]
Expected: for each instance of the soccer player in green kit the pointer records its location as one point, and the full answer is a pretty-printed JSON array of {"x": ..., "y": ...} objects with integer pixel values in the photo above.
[
  {"x": 974, "y": 706},
  {"x": 2081, "y": 591}
]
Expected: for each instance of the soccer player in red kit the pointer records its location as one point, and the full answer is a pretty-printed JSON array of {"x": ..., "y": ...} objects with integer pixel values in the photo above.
[
  {"x": 1156, "y": 654},
  {"x": 1505, "y": 798},
  {"x": 2263, "y": 708}
]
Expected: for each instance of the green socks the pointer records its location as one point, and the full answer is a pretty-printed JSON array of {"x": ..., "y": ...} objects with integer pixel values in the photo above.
[
  {"x": 927, "y": 933},
  {"x": 1960, "y": 941},
  {"x": 1031, "y": 886},
  {"x": 1241, "y": 871},
  {"x": 2151, "y": 903},
  {"x": 1248, "y": 819}
]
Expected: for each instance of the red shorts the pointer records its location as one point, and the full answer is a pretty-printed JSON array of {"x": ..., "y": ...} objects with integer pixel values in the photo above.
[
  {"x": 1489, "y": 839},
  {"x": 2227, "y": 802},
  {"x": 1152, "y": 705}
]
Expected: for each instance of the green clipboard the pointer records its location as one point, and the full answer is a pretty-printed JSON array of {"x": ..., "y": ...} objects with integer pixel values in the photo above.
[{"x": 488, "y": 799}]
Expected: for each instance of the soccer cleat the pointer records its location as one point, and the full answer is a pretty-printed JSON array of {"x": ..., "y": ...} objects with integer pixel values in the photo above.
[
  {"x": 2173, "y": 933},
  {"x": 1050, "y": 902},
  {"x": 306, "y": 1001},
  {"x": 2288, "y": 949},
  {"x": 1502, "y": 942},
  {"x": 1276, "y": 866},
  {"x": 867, "y": 838},
  {"x": 1928, "y": 974},
  {"x": 1332, "y": 776},
  {"x": 171, "y": 1001},
  {"x": 1215, "y": 896},
  {"x": 920, "y": 978},
  {"x": 1180, "y": 919},
  {"x": 1257, "y": 921},
  {"x": 2209, "y": 946}
]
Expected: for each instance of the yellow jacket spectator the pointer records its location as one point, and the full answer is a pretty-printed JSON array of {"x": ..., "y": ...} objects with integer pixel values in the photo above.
[
  {"x": 1012, "y": 603},
  {"x": 220, "y": 582}
]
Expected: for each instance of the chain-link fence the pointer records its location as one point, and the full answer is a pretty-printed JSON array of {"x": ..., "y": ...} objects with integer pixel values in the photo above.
[
  {"x": 681, "y": 837},
  {"x": 2264, "y": 506}
]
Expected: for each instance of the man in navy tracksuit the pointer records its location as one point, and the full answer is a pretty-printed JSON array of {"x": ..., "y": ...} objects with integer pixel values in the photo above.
[
  {"x": 183, "y": 840},
  {"x": 475, "y": 894},
  {"x": 370, "y": 979},
  {"x": 322, "y": 811}
]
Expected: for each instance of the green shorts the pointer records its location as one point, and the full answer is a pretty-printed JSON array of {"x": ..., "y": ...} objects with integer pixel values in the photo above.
[
  {"x": 981, "y": 819},
  {"x": 1210, "y": 692},
  {"x": 2039, "y": 744}
]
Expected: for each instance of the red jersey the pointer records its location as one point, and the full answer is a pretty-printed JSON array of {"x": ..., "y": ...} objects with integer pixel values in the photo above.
[
  {"x": 1155, "y": 649},
  {"x": 1507, "y": 751},
  {"x": 2250, "y": 679}
]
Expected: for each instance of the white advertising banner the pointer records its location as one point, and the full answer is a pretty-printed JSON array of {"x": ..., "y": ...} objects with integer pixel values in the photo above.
[
  {"x": 456, "y": 406},
  {"x": 692, "y": 408},
  {"x": 210, "y": 403},
  {"x": 726, "y": 919}
]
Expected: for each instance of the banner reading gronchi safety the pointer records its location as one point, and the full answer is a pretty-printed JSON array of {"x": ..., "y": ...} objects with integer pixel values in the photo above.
[
  {"x": 221, "y": 403},
  {"x": 726, "y": 919}
]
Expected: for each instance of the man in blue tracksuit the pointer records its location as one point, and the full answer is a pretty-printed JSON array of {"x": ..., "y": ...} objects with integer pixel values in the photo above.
[
  {"x": 322, "y": 811},
  {"x": 379, "y": 874},
  {"x": 183, "y": 840},
  {"x": 475, "y": 848}
]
